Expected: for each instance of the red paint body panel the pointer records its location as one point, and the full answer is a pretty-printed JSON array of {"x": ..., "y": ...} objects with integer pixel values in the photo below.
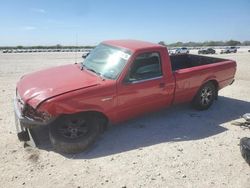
[
  {"x": 143, "y": 97},
  {"x": 88, "y": 99},
  {"x": 39, "y": 86},
  {"x": 68, "y": 90},
  {"x": 132, "y": 45},
  {"x": 189, "y": 80}
]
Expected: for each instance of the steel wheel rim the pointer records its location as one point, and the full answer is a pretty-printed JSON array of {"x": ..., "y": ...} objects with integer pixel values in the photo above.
[
  {"x": 74, "y": 128},
  {"x": 206, "y": 96}
]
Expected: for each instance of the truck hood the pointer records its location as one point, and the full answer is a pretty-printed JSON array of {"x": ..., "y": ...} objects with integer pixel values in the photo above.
[{"x": 38, "y": 86}]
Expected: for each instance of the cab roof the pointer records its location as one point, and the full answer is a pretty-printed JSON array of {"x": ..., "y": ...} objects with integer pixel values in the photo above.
[{"x": 132, "y": 45}]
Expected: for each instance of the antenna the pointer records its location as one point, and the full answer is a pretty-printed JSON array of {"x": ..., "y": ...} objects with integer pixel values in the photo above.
[{"x": 76, "y": 48}]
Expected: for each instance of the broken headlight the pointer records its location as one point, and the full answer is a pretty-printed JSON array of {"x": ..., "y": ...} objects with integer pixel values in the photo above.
[{"x": 31, "y": 113}]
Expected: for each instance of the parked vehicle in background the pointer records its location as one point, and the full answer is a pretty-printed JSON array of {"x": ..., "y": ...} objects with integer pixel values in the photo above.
[
  {"x": 171, "y": 51},
  {"x": 19, "y": 51},
  {"x": 248, "y": 50},
  {"x": 119, "y": 80},
  {"x": 228, "y": 50},
  {"x": 182, "y": 50},
  {"x": 206, "y": 51}
]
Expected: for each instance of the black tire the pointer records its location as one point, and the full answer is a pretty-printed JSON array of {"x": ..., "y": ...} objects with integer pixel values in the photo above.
[
  {"x": 205, "y": 96},
  {"x": 245, "y": 149},
  {"x": 74, "y": 133}
]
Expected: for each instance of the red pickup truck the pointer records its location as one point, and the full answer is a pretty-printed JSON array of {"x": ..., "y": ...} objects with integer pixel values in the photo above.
[{"x": 119, "y": 79}]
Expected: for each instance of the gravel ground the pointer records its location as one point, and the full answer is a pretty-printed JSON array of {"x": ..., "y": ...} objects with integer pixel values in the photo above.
[{"x": 176, "y": 147}]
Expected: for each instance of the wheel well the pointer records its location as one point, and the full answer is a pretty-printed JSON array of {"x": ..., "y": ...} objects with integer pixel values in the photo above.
[{"x": 102, "y": 116}]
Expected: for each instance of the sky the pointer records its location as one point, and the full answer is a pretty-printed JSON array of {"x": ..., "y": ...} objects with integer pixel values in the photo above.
[{"x": 88, "y": 22}]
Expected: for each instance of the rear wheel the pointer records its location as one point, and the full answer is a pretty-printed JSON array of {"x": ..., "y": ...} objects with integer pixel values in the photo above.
[
  {"x": 74, "y": 133},
  {"x": 205, "y": 96}
]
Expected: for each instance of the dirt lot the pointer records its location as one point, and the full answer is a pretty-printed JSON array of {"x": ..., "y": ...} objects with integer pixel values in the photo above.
[{"x": 176, "y": 147}]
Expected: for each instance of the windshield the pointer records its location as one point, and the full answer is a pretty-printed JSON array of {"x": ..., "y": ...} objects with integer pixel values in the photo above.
[{"x": 107, "y": 61}]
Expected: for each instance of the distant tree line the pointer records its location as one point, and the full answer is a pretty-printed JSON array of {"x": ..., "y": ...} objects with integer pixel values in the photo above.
[
  {"x": 176, "y": 44},
  {"x": 207, "y": 43},
  {"x": 58, "y": 46}
]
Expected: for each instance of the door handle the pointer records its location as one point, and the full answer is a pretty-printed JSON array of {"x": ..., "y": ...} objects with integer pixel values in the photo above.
[{"x": 162, "y": 85}]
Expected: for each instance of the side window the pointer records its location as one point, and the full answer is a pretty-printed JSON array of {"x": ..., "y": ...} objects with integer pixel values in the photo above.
[{"x": 145, "y": 66}]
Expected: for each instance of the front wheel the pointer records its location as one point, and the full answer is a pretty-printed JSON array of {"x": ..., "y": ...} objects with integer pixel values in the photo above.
[
  {"x": 205, "y": 96},
  {"x": 74, "y": 133},
  {"x": 245, "y": 148}
]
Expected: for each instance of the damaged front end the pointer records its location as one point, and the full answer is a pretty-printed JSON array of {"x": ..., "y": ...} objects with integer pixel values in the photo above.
[
  {"x": 35, "y": 116},
  {"x": 27, "y": 118}
]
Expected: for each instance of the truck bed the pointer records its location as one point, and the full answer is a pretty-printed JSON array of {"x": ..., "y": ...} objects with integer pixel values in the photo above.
[
  {"x": 192, "y": 71},
  {"x": 188, "y": 60}
]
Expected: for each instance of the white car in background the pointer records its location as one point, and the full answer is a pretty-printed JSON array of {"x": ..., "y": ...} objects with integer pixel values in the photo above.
[
  {"x": 228, "y": 50},
  {"x": 171, "y": 51},
  {"x": 182, "y": 50}
]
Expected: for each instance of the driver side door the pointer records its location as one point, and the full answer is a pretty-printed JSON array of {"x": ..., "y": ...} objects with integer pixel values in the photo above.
[{"x": 144, "y": 88}]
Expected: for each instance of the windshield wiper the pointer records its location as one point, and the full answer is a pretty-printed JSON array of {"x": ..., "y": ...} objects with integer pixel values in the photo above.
[
  {"x": 87, "y": 68},
  {"x": 97, "y": 73},
  {"x": 92, "y": 70}
]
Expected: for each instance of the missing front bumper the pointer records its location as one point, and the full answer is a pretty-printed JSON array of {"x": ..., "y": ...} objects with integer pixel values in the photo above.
[
  {"x": 25, "y": 135},
  {"x": 25, "y": 127}
]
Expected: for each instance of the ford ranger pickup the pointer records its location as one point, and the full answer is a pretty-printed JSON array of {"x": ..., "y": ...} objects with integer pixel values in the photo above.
[{"x": 118, "y": 80}]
